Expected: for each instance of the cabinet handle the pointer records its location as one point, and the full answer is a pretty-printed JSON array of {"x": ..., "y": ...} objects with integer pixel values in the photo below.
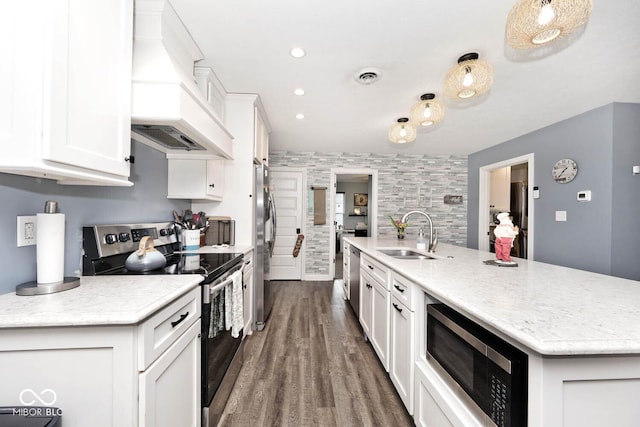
[
  {"x": 368, "y": 286},
  {"x": 396, "y": 307},
  {"x": 130, "y": 159},
  {"x": 398, "y": 288},
  {"x": 177, "y": 322},
  {"x": 370, "y": 267},
  {"x": 212, "y": 185}
]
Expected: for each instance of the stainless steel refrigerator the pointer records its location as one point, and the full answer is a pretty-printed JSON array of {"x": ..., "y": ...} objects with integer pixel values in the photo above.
[{"x": 265, "y": 218}]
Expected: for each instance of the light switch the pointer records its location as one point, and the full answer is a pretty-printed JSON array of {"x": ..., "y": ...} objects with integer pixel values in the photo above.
[{"x": 561, "y": 215}]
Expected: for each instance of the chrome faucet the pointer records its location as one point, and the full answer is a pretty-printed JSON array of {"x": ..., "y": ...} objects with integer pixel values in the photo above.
[{"x": 433, "y": 238}]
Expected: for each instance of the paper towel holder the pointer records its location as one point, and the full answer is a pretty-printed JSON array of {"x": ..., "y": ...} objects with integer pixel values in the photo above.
[{"x": 35, "y": 288}]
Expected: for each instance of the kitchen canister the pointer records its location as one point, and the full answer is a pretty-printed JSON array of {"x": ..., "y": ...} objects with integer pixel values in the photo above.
[
  {"x": 190, "y": 239},
  {"x": 50, "y": 227}
]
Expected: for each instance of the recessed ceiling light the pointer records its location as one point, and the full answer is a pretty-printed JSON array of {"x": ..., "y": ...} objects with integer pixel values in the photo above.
[
  {"x": 299, "y": 91},
  {"x": 297, "y": 52},
  {"x": 299, "y": 116}
]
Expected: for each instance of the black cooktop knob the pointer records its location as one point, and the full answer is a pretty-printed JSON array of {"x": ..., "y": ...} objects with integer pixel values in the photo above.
[
  {"x": 110, "y": 239},
  {"x": 163, "y": 232},
  {"x": 123, "y": 237}
]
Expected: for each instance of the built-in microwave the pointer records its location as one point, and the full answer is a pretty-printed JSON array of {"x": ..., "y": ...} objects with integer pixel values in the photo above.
[{"x": 489, "y": 371}]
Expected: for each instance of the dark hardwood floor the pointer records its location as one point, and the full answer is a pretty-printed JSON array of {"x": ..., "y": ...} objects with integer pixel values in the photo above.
[{"x": 312, "y": 366}]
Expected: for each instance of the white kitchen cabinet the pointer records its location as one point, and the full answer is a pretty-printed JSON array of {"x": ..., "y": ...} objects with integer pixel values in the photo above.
[
  {"x": 195, "y": 179},
  {"x": 380, "y": 323},
  {"x": 366, "y": 302},
  {"x": 402, "y": 340},
  {"x": 261, "y": 144},
  {"x": 374, "y": 306},
  {"x": 248, "y": 287},
  {"x": 145, "y": 374},
  {"x": 65, "y": 112},
  {"x": 240, "y": 113},
  {"x": 170, "y": 388},
  {"x": 500, "y": 189},
  {"x": 436, "y": 405}
]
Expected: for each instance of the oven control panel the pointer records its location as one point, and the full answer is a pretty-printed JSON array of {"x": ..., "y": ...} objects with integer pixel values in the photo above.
[{"x": 116, "y": 239}]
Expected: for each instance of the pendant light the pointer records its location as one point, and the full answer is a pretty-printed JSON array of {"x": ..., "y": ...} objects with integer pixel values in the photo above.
[
  {"x": 534, "y": 23},
  {"x": 470, "y": 77},
  {"x": 427, "y": 112},
  {"x": 402, "y": 132}
]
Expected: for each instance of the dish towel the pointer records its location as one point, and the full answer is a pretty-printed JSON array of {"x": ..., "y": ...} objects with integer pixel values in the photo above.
[
  {"x": 216, "y": 323},
  {"x": 234, "y": 310}
]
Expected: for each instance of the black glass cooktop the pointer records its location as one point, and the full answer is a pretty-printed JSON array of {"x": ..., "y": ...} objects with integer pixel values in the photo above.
[{"x": 210, "y": 265}]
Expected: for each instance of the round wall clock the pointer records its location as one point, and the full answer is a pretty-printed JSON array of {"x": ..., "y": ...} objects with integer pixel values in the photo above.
[{"x": 565, "y": 170}]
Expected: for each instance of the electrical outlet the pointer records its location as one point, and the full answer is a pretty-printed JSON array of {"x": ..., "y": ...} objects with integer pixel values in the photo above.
[{"x": 26, "y": 231}]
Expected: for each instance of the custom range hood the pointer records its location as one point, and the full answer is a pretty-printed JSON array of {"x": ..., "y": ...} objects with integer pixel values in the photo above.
[{"x": 168, "y": 110}]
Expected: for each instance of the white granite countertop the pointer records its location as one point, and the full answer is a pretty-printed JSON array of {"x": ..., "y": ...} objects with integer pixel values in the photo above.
[
  {"x": 552, "y": 310},
  {"x": 99, "y": 300}
]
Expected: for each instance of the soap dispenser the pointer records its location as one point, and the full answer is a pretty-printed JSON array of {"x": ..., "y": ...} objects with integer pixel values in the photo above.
[{"x": 421, "y": 243}]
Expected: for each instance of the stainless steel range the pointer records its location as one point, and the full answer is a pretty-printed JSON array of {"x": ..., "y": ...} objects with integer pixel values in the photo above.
[{"x": 106, "y": 249}]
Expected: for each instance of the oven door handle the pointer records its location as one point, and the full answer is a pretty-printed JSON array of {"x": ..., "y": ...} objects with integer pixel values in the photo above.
[{"x": 220, "y": 286}]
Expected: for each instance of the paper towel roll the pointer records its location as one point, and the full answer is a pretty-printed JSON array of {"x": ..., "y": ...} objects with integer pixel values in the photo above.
[{"x": 50, "y": 247}]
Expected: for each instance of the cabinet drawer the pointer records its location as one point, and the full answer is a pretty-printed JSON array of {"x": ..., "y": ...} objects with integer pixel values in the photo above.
[
  {"x": 162, "y": 329},
  {"x": 404, "y": 290},
  {"x": 376, "y": 269}
]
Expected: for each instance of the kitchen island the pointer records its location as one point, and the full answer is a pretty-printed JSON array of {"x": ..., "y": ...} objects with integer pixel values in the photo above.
[
  {"x": 110, "y": 352},
  {"x": 580, "y": 330}
]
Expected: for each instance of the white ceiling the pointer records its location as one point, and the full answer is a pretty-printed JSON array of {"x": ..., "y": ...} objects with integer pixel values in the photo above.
[{"x": 413, "y": 43}]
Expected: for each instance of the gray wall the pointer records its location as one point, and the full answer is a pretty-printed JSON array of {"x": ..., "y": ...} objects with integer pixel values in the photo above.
[
  {"x": 145, "y": 201},
  {"x": 400, "y": 177},
  {"x": 625, "y": 232},
  {"x": 585, "y": 240}
]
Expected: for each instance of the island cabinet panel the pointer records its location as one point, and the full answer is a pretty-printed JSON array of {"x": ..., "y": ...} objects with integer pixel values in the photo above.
[{"x": 584, "y": 391}]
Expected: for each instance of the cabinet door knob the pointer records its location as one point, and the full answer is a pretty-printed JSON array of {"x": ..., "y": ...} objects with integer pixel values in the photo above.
[
  {"x": 130, "y": 159},
  {"x": 212, "y": 185}
]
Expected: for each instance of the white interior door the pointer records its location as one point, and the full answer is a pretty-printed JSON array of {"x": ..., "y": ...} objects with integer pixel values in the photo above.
[{"x": 287, "y": 190}]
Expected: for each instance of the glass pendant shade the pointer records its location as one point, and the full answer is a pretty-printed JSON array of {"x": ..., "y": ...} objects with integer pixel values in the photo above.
[
  {"x": 427, "y": 112},
  {"x": 534, "y": 23},
  {"x": 470, "y": 77},
  {"x": 402, "y": 132}
]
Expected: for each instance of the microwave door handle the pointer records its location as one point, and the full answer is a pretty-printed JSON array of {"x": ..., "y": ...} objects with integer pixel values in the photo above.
[{"x": 459, "y": 331}]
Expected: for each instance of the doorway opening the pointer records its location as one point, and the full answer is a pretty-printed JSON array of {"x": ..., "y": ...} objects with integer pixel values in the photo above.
[
  {"x": 506, "y": 186},
  {"x": 353, "y": 202}
]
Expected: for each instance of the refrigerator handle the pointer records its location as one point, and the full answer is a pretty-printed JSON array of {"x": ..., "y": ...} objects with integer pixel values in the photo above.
[{"x": 272, "y": 210}]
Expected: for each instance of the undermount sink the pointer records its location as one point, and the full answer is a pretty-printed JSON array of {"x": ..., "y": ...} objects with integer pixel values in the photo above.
[{"x": 404, "y": 254}]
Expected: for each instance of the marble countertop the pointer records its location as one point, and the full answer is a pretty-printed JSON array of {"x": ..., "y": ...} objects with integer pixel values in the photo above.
[
  {"x": 99, "y": 300},
  {"x": 550, "y": 309}
]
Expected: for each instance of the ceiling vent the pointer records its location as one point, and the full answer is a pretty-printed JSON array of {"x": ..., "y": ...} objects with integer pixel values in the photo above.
[{"x": 367, "y": 76}]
